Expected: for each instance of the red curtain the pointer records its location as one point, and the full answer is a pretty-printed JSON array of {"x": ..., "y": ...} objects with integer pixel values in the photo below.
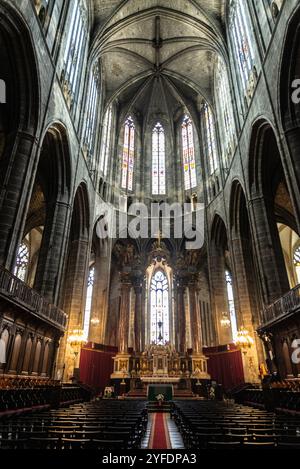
[
  {"x": 96, "y": 367},
  {"x": 225, "y": 367}
]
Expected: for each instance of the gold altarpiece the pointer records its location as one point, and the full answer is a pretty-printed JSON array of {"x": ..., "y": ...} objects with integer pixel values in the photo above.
[{"x": 160, "y": 361}]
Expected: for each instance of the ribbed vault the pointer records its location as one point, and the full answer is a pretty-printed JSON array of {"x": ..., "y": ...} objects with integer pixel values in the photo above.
[{"x": 173, "y": 41}]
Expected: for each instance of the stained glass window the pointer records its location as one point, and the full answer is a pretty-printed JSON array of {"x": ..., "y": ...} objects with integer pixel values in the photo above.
[
  {"x": 158, "y": 160},
  {"x": 211, "y": 140},
  {"x": 106, "y": 141},
  {"x": 241, "y": 40},
  {"x": 76, "y": 47},
  {"x": 231, "y": 305},
  {"x": 159, "y": 307},
  {"x": 128, "y": 155},
  {"x": 91, "y": 111},
  {"x": 297, "y": 263},
  {"x": 225, "y": 113},
  {"x": 188, "y": 151},
  {"x": 22, "y": 262},
  {"x": 88, "y": 303}
]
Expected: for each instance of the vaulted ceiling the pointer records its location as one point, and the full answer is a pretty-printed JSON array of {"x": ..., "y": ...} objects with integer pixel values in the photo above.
[{"x": 171, "y": 42}]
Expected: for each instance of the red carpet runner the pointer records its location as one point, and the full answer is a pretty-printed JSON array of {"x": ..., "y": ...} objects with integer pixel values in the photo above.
[{"x": 159, "y": 438}]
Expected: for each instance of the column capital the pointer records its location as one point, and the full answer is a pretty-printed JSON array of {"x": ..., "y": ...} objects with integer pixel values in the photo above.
[
  {"x": 180, "y": 281},
  {"x": 137, "y": 282},
  {"x": 125, "y": 280},
  {"x": 192, "y": 281}
]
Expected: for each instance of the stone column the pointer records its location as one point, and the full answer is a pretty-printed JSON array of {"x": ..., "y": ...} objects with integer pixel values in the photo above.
[
  {"x": 124, "y": 314},
  {"x": 122, "y": 359},
  {"x": 246, "y": 308},
  {"x": 100, "y": 295},
  {"x": 219, "y": 302},
  {"x": 74, "y": 299},
  {"x": 180, "y": 289},
  {"x": 15, "y": 177},
  {"x": 52, "y": 254},
  {"x": 195, "y": 319},
  {"x": 199, "y": 361},
  {"x": 270, "y": 260},
  {"x": 138, "y": 289}
]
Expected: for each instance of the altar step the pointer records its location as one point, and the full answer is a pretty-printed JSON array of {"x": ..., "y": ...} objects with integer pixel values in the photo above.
[
  {"x": 138, "y": 394},
  {"x": 183, "y": 394},
  {"x": 178, "y": 394},
  {"x": 155, "y": 407}
]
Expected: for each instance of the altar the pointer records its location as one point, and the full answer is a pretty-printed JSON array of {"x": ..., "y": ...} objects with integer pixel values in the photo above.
[
  {"x": 160, "y": 362},
  {"x": 159, "y": 366},
  {"x": 155, "y": 389}
]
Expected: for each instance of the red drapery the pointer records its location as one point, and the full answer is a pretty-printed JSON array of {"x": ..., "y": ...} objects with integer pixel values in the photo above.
[
  {"x": 96, "y": 367},
  {"x": 225, "y": 366}
]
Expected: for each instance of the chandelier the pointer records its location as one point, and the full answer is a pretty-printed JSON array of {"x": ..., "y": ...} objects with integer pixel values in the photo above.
[
  {"x": 243, "y": 339},
  {"x": 225, "y": 321},
  {"x": 77, "y": 338}
]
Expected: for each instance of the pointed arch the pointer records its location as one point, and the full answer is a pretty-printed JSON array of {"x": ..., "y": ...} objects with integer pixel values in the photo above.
[
  {"x": 188, "y": 153},
  {"x": 19, "y": 71},
  {"x": 158, "y": 160},
  {"x": 55, "y": 166},
  {"x": 290, "y": 74},
  {"x": 159, "y": 308},
  {"x": 128, "y": 154}
]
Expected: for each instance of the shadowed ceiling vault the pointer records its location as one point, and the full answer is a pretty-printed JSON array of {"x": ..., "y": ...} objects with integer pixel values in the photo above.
[{"x": 163, "y": 45}]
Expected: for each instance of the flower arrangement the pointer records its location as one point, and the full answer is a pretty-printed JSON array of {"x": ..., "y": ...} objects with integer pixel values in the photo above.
[{"x": 160, "y": 398}]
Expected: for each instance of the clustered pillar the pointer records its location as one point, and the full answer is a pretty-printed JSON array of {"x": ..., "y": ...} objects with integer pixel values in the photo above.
[
  {"x": 102, "y": 267},
  {"x": 274, "y": 280},
  {"x": 195, "y": 319},
  {"x": 181, "y": 315},
  {"x": 138, "y": 332}
]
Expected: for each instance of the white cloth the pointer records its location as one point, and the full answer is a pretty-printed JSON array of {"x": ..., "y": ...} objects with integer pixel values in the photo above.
[{"x": 2, "y": 351}]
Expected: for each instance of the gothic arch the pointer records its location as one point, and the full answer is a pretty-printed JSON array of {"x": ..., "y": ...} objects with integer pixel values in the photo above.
[
  {"x": 55, "y": 162},
  {"x": 271, "y": 204},
  {"x": 218, "y": 232},
  {"x": 244, "y": 256},
  {"x": 262, "y": 135},
  {"x": 289, "y": 71},
  {"x": 19, "y": 71},
  {"x": 289, "y": 100},
  {"x": 220, "y": 263},
  {"x": 81, "y": 213},
  {"x": 238, "y": 212},
  {"x": 19, "y": 125},
  {"x": 266, "y": 173}
]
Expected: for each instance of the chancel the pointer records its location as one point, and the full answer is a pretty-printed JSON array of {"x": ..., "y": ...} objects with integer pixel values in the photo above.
[{"x": 149, "y": 225}]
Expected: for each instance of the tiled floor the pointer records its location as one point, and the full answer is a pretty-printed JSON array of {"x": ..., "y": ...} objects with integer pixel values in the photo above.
[{"x": 175, "y": 437}]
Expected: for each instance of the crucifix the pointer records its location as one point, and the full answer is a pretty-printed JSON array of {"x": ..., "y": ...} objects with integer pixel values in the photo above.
[{"x": 157, "y": 43}]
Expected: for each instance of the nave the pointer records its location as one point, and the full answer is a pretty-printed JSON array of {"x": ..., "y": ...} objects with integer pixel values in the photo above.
[{"x": 127, "y": 425}]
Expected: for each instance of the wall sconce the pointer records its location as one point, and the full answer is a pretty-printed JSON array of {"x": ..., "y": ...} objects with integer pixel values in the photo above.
[
  {"x": 225, "y": 320},
  {"x": 95, "y": 321}
]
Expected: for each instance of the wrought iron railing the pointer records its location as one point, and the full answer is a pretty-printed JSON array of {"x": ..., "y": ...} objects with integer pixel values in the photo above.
[
  {"x": 12, "y": 287},
  {"x": 288, "y": 303}
]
